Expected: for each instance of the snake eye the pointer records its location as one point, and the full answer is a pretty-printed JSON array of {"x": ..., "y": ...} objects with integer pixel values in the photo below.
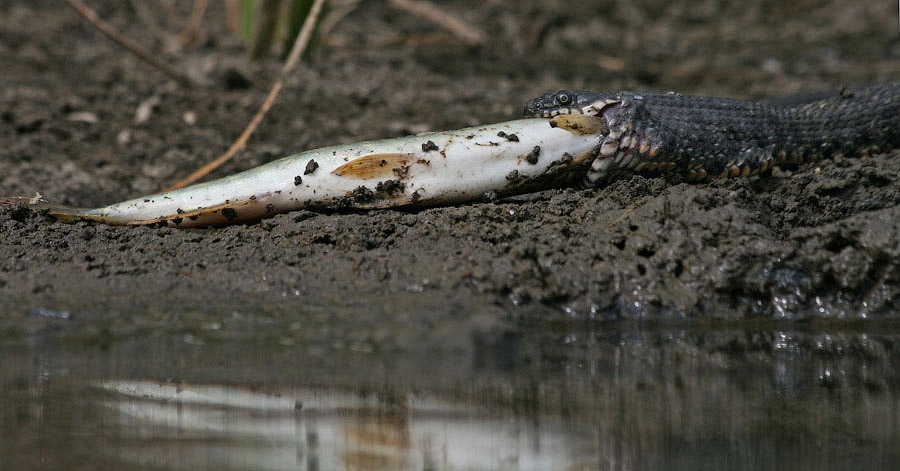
[{"x": 564, "y": 98}]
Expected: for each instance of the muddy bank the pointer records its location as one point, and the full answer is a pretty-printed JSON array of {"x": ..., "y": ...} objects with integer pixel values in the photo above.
[{"x": 822, "y": 240}]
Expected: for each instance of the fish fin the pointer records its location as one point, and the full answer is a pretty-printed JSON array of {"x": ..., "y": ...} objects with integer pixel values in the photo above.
[
  {"x": 39, "y": 205},
  {"x": 374, "y": 166}
]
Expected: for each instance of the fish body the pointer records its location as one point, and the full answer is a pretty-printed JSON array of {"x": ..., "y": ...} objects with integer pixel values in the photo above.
[{"x": 425, "y": 170}]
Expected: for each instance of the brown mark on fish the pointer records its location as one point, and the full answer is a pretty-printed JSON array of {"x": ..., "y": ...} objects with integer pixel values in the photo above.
[
  {"x": 375, "y": 166},
  {"x": 580, "y": 123}
]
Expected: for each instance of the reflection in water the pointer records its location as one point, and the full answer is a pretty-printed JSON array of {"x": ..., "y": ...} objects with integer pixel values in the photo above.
[
  {"x": 548, "y": 398},
  {"x": 227, "y": 427}
]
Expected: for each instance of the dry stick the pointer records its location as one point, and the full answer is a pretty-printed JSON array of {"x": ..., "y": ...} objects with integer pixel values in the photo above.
[
  {"x": 232, "y": 15},
  {"x": 108, "y": 30},
  {"x": 435, "y": 14},
  {"x": 299, "y": 45},
  {"x": 190, "y": 32},
  {"x": 336, "y": 12}
]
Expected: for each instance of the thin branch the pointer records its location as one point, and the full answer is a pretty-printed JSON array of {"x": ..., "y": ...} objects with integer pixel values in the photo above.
[
  {"x": 303, "y": 38},
  {"x": 336, "y": 12},
  {"x": 435, "y": 14},
  {"x": 190, "y": 32},
  {"x": 299, "y": 45},
  {"x": 135, "y": 49},
  {"x": 232, "y": 15}
]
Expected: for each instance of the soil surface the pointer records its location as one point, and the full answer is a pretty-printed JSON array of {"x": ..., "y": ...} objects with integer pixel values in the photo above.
[{"x": 821, "y": 241}]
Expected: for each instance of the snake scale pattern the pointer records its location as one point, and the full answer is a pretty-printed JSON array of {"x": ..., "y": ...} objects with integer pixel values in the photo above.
[{"x": 705, "y": 137}]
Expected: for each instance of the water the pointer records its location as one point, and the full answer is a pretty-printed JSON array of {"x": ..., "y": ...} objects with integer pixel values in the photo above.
[{"x": 568, "y": 397}]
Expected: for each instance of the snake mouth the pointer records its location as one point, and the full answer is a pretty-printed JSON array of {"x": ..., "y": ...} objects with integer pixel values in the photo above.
[
  {"x": 599, "y": 107},
  {"x": 595, "y": 108},
  {"x": 559, "y": 111}
]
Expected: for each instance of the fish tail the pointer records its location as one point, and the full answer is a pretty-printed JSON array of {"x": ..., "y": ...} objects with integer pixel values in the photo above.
[{"x": 38, "y": 204}]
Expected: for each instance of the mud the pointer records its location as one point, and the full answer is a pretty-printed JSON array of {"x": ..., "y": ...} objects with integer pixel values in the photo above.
[{"x": 821, "y": 241}]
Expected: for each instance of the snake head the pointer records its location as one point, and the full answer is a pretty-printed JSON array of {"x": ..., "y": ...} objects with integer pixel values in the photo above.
[
  {"x": 562, "y": 102},
  {"x": 570, "y": 102}
]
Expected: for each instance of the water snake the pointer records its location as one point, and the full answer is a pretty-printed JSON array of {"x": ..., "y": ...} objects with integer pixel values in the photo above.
[{"x": 703, "y": 137}]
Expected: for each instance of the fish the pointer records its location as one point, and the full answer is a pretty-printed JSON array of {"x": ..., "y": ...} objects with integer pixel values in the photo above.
[{"x": 432, "y": 169}]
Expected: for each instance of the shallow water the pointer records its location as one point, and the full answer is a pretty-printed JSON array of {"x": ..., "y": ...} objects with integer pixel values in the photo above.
[{"x": 537, "y": 397}]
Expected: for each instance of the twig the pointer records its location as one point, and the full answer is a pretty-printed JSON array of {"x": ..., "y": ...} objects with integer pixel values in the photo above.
[
  {"x": 232, "y": 15},
  {"x": 622, "y": 217},
  {"x": 190, "y": 32},
  {"x": 336, "y": 12},
  {"x": 435, "y": 14},
  {"x": 300, "y": 44},
  {"x": 111, "y": 32}
]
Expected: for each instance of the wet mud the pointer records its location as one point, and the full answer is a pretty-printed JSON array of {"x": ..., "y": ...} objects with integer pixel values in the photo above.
[{"x": 816, "y": 241}]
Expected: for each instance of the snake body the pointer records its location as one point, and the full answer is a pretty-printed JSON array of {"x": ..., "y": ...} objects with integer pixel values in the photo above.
[{"x": 704, "y": 137}]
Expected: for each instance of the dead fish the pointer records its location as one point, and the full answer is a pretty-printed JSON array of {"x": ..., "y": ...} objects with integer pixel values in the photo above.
[{"x": 432, "y": 169}]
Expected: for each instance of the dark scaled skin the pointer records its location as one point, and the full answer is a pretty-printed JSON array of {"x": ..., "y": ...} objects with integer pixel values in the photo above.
[{"x": 704, "y": 137}]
